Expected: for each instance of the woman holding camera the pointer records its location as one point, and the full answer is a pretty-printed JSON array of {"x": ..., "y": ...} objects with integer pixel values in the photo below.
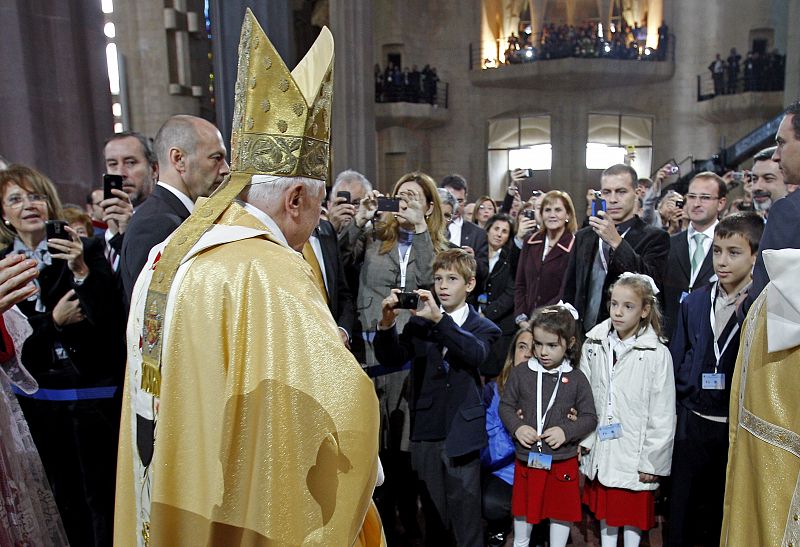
[
  {"x": 395, "y": 244},
  {"x": 545, "y": 255},
  {"x": 75, "y": 353}
]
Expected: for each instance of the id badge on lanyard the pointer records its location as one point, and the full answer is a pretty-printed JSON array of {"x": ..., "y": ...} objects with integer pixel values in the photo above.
[
  {"x": 537, "y": 460},
  {"x": 612, "y": 429},
  {"x": 716, "y": 380}
]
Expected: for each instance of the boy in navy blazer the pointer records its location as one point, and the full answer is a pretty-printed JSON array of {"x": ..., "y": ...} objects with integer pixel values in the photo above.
[
  {"x": 446, "y": 345},
  {"x": 704, "y": 349}
]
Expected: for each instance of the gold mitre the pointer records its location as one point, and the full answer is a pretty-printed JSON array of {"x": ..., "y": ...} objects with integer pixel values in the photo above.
[
  {"x": 281, "y": 119},
  {"x": 281, "y": 126}
]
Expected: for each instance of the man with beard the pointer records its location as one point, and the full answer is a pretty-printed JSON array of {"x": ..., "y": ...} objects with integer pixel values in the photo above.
[
  {"x": 768, "y": 183},
  {"x": 781, "y": 230}
]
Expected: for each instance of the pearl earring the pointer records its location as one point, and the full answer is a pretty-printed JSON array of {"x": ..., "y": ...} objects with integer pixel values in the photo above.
[{"x": 8, "y": 222}]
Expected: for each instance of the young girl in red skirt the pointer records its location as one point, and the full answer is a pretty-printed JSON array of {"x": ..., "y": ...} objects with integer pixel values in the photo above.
[
  {"x": 536, "y": 401},
  {"x": 631, "y": 375}
]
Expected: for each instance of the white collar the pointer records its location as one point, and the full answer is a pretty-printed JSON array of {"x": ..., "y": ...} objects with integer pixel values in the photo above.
[
  {"x": 615, "y": 341},
  {"x": 458, "y": 316},
  {"x": 458, "y": 221},
  {"x": 186, "y": 200},
  {"x": 708, "y": 232},
  {"x": 266, "y": 220},
  {"x": 783, "y": 299},
  {"x": 535, "y": 366}
]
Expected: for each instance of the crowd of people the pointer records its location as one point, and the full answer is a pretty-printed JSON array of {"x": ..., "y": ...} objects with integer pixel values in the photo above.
[
  {"x": 756, "y": 72},
  {"x": 524, "y": 370},
  {"x": 394, "y": 85},
  {"x": 584, "y": 41}
]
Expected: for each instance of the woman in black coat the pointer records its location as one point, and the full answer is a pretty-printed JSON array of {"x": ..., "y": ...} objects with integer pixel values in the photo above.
[
  {"x": 496, "y": 300},
  {"x": 76, "y": 353}
]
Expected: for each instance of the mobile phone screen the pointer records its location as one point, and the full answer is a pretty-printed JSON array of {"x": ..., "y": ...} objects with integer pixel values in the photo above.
[{"x": 110, "y": 182}]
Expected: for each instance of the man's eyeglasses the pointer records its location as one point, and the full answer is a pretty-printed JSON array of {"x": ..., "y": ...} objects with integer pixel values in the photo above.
[
  {"x": 16, "y": 201},
  {"x": 705, "y": 198}
]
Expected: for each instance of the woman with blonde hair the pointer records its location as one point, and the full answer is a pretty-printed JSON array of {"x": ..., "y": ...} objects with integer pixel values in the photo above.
[
  {"x": 545, "y": 255},
  {"x": 485, "y": 209},
  {"x": 395, "y": 249}
]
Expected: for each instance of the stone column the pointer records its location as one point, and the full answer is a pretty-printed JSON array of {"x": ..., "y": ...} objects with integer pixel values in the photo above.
[
  {"x": 655, "y": 16},
  {"x": 56, "y": 103},
  {"x": 353, "y": 133},
  {"x": 275, "y": 17},
  {"x": 604, "y": 7},
  {"x": 537, "y": 8},
  {"x": 792, "y": 86}
]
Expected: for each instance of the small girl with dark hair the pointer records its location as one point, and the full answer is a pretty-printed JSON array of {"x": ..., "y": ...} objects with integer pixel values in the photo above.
[
  {"x": 630, "y": 371},
  {"x": 545, "y": 389}
]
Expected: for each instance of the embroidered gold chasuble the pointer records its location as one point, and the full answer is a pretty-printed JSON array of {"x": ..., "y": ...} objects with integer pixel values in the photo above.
[
  {"x": 266, "y": 428},
  {"x": 762, "y": 492}
]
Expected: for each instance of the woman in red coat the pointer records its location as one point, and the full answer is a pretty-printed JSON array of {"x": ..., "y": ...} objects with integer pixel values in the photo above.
[{"x": 545, "y": 254}]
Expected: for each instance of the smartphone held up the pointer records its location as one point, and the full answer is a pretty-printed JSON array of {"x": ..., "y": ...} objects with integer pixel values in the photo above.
[{"x": 598, "y": 204}]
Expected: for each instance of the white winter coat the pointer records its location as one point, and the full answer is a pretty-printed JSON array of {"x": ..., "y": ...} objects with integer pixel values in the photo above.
[{"x": 643, "y": 402}]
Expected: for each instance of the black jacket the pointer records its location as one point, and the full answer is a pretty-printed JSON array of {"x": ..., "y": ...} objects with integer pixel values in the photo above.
[
  {"x": 444, "y": 400},
  {"x": 693, "y": 354},
  {"x": 644, "y": 250},
  {"x": 340, "y": 299},
  {"x": 676, "y": 282},
  {"x": 93, "y": 349},
  {"x": 154, "y": 220}
]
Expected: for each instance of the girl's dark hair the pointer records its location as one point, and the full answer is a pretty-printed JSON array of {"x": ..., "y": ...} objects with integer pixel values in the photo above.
[{"x": 558, "y": 320}]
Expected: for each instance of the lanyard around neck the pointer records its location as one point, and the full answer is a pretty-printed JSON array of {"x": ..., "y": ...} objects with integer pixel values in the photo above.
[
  {"x": 404, "y": 266},
  {"x": 540, "y": 418},
  {"x": 712, "y": 317}
]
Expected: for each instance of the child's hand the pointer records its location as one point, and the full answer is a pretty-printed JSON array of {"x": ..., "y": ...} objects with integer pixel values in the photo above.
[
  {"x": 647, "y": 477},
  {"x": 389, "y": 310},
  {"x": 526, "y": 435},
  {"x": 573, "y": 415},
  {"x": 554, "y": 437},
  {"x": 427, "y": 307}
]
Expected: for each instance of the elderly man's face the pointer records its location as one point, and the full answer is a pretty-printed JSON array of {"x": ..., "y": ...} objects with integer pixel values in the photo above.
[{"x": 309, "y": 215}]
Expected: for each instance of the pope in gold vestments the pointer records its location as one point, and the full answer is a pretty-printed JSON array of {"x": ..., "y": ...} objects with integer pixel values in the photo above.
[
  {"x": 762, "y": 492},
  {"x": 266, "y": 428}
]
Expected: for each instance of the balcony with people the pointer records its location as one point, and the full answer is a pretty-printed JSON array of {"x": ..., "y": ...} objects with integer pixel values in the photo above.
[
  {"x": 571, "y": 44},
  {"x": 742, "y": 85},
  {"x": 409, "y": 97}
]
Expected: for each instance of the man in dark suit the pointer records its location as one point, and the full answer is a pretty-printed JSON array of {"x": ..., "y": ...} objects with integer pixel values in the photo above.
[
  {"x": 325, "y": 244},
  {"x": 465, "y": 234},
  {"x": 689, "y": 264},
  {"x": 781, "y": 231},
  {"x": 191, "y": 162},
  {"x": 628, "y": 245},
  {"x": 130, "y": 155}
]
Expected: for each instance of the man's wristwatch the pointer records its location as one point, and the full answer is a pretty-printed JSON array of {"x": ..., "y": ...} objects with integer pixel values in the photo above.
[{"x": 520, "y": 318}]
